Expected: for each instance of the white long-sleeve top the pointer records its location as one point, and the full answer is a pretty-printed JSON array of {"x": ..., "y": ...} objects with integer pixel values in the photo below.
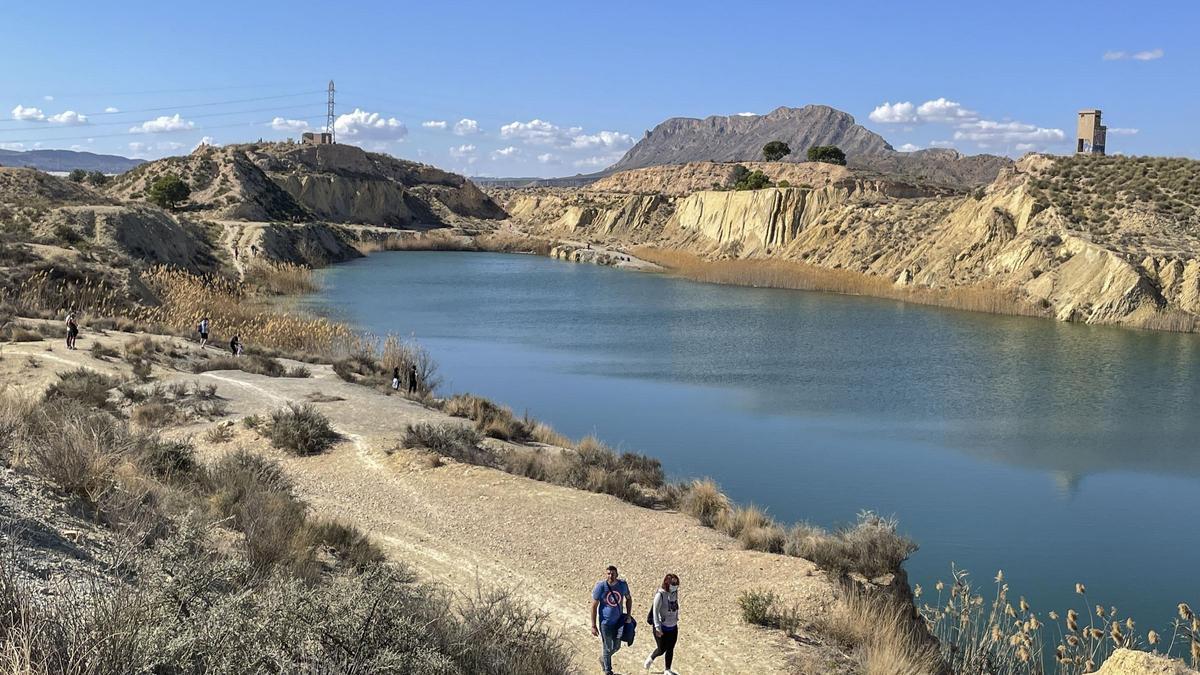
[{"x": 666, "y": 609}]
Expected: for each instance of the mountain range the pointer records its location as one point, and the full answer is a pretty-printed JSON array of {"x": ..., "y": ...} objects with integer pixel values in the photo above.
[{"x": 67, "y": 160}]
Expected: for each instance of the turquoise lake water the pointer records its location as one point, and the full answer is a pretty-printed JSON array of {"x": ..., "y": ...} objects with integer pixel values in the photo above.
[{"x": 1059, "y": 453}]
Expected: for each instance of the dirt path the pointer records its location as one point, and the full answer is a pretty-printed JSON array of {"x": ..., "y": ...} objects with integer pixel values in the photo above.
[{"x": 471, "y": 527}]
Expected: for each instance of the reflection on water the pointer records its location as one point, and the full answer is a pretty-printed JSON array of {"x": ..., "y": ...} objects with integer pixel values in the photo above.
[{"x": 999, "y": 442}]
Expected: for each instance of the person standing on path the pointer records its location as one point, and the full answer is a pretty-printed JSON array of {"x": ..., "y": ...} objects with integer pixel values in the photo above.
[
  {"x": 72, "y": 330},
  {"x": 664, "y": 616},
  {"x": 396, "y": 378},
  {"x": 412, "y": 379},
  {"x": 607, "y": 597},
  {"x": 235, "y": 345},
  {"x": 203, "y": 330}
]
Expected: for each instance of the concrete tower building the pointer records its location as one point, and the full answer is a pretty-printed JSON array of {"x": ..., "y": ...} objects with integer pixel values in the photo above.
[{"x": 1090, "y": 134}]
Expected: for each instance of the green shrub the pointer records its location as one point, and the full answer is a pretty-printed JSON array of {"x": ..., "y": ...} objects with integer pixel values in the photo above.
[
  {"x": 300, "y": 429},
  {"x": 829, "y": 154},
  {"x": 81, "y": 384},
  {"x": 765, "y": 608}
]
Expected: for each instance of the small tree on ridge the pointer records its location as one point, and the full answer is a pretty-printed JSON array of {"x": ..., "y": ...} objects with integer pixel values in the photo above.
[
  {"x": 168, "y": 190},
  {"x": 775, "y": 151}
]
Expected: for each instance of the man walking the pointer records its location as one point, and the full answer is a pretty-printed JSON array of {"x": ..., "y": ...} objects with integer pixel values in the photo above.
[
  {"x": 202, "y": 329},
  {"x": 607, "y": 597}
]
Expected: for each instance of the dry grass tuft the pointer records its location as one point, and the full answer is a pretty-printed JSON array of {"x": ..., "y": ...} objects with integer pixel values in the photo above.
[{"x": 300, "y": 429}]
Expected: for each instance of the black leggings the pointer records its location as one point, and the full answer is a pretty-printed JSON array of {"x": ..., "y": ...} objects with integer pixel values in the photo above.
[{"x": 666, "y": 645}]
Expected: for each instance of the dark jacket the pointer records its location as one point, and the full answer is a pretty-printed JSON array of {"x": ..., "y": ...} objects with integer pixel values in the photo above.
[{"x": 627, "y": 630}]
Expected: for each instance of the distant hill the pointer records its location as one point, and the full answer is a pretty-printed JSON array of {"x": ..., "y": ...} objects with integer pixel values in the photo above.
[
  {"x": 734, "y": 138},
  {"x": 740, "y": 138},
  {"x": 67, "y": 160}
]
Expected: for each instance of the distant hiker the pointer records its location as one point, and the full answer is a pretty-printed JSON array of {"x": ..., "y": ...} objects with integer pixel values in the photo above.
[
  {"x": 235, "y": 345},
  {"x": 664, "y": 616},
  {"x": 72, "y": 330},
  {"x": 607, "y": 597},
  {"x": 412, "y": 379},
  {"x": 396, "y": 378},
  {"x": 202, "y": 329}
]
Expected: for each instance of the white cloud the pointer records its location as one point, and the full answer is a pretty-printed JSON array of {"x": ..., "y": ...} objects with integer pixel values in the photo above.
[
  {"x": 434, "y": 124},
  {"x": 988, "y": 131},
  {"x": 909, "y": 147},
  {"x": 12, "y": 146},
  {"x": 936, "y": 110},
  {"x": 510, "y": 151},
  {"x": 112, "y": 109},
  {"x": 539, "y": 132},
  {"x": 463, "y": 150},
  {"x": 942, "y": 110},
  {"x": 28, "y": 114},
  {"x": 894, "y": 113},
  {"x": 361, "y": 125},
  {"x": 466, "y": 127},
  {"x": 547, "y": 158},
  {"x": 746, "y": 114},
  {"x": 207, "y": 140},
  {"x": 941, "y": 144},
  {"x": 48, "y": 97},
  {"x": 601, "y": 139},
  {"x": 1122, "y": 131},
  {"x": 283, "y": 124},
  {"x": 1144, "y": 55},
  {"x": 1026, "y": 147},
  {"x": 68, "y": 118},
  {"x": 162, "y": 124}
]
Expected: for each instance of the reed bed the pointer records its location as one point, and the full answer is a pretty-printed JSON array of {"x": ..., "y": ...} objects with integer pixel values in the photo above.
[
  {"x": 792, "y": 275},
  {"x": 447, "y": 240},
  {"x": 1011, "y": 638},
  {"x": 281, "y": 278}
]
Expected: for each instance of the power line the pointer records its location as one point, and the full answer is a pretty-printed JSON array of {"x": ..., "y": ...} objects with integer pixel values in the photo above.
[
  {"x": 188, "y": 106},
  {"x": 304, "y": 106},
  {"x": 157, "y": 133},
  {"x": 181, "y": 91}
]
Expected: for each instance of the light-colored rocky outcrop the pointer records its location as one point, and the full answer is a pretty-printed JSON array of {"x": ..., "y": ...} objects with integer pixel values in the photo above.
[
  {"x": 1133, "y": 662},
  {"x": 1005, "y": 237},
  {"x": 142, "y": 232}
]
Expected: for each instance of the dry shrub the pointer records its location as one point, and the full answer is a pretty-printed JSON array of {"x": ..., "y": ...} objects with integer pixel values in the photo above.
[
  {"x": 300, "y": 429},
  {"x": 347, "y": 542},
  {"x": 741, "y": 518},
  {"x": 249, "y": 363},
  {"x": 794, "y": 275},
  {"x": 449, "y": 440},
  {"x": 153, "y": 415},
  {"x": 884, "y": 635},
  {"x": 102, "y": 353},
  {"x": 83, "y": 385},
  {"x": 219, "y": 433},
  {"x": 546, "y": 434},
  {"x": 196, "y": 610},
  {"x": 257, "y": 498},
  {"x": 871, "y": 547},
  {"x": 492, "y": 420},
  {"x": 704, "y": 501}
]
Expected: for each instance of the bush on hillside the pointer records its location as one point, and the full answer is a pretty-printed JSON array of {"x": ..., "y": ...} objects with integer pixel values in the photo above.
[
  {"x": 168, "y": 191},
  {"x": 83, "y": 385},
  {"x": 300, "y": 429},
  {"x": 449, "y": 440}
]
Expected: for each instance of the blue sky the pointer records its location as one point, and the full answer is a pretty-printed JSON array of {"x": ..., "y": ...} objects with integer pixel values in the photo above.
[{"x": 524, "y": 88}]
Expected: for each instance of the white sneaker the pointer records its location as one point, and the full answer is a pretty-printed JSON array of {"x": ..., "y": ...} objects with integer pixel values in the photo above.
[
  {"x": 670, "y": 672},
  {"x": 649, "y": 662}
]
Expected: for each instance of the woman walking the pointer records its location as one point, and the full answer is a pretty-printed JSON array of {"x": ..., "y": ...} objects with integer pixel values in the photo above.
[{"x": 664, "y": 616}]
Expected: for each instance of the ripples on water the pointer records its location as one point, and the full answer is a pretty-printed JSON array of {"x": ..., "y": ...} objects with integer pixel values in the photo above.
[{"x": 1057, "y": 452}]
